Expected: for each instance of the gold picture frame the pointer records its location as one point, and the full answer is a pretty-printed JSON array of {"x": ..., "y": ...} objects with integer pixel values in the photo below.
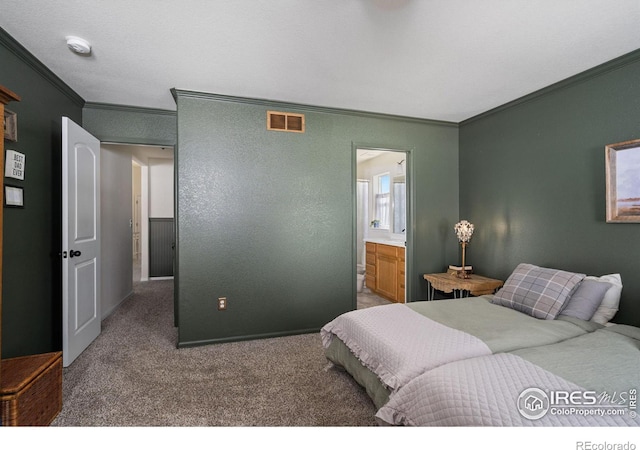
[
  {"x": 10, "y": 126},
  {"x": 623, "y": 182}
]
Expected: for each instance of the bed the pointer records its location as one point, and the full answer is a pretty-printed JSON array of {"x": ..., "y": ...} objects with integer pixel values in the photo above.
[
  {"x": 386, "y": 347},
  {"x": 589, "y": 380}
]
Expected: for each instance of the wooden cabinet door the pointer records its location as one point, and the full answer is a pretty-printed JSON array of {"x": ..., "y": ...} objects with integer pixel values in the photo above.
[
  {"x": 400, "y": 296},
  {"x": 387, "y": 272},
  {"x": 370, "y": 274}
]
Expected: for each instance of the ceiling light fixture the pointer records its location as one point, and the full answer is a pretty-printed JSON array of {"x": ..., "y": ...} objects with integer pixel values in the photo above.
[{"x": 78, "y": 45}]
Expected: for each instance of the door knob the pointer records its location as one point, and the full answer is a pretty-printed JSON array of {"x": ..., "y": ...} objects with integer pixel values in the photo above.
[{"x": 73, "y": 253}]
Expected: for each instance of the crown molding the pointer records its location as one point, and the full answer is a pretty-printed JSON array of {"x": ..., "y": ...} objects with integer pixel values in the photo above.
[
  {"x": 131, "y": 109},
  {"x": 302, "y": 107},
  {"x": 23, "y": 54},
  {"x": 589, "y": 74}
]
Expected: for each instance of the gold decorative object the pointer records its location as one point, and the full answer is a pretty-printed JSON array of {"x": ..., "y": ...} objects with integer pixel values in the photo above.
[
  {"x": 464, "y": 231},
  {"x": 623, "y": 189}
]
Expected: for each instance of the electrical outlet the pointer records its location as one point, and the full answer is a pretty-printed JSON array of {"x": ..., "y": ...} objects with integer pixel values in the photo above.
[{"x": 222, "y": 303}]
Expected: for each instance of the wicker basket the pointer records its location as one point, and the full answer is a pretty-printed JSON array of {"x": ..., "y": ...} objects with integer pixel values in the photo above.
[{"x": 31, "y": 392}]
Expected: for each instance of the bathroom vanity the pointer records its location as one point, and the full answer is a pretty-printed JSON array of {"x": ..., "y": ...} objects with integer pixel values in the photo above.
[{"x": 385, "y": 270}]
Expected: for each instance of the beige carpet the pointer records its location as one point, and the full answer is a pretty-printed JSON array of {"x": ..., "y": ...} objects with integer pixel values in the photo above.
[{"x": 133, "y": 375}]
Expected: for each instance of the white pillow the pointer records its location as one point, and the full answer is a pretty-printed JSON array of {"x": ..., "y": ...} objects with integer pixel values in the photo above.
[{"x": 609, "y": 306}]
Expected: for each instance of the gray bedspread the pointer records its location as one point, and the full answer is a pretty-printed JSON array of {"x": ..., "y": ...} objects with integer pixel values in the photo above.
[
  {"x": 502, "y": 329},
  {"x": 606, "y": 360},
  {"x": 488, "y": 390}
]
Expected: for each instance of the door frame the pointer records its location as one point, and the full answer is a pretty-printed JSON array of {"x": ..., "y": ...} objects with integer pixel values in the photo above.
[
  {"x": 145, "y": 194},
  {"x": 144, "y": 191},
  {"x": 410, "y": 216},
  {"x": 144, "y": 217}
]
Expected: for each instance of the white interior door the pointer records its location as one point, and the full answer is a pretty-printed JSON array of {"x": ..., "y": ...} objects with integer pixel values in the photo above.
[{"x": 81, "y": 314}]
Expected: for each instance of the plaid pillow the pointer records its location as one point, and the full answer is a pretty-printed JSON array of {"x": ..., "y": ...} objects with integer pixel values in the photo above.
[{"x": 537, "y": 291}]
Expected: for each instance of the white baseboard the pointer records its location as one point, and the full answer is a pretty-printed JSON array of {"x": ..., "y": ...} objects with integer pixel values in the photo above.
[{"x": 114, "y": 307}]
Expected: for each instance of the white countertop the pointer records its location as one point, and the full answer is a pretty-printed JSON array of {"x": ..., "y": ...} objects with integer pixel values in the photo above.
[{"x": 394, "y": 242}]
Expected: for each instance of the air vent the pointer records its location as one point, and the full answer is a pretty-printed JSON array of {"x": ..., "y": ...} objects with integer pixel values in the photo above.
[{"x": 283, "y": 121}]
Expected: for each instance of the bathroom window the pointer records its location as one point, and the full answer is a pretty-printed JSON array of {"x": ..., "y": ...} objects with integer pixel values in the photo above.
[
  {"x": 382, "y": 196},
  {"x": 399, "y": 205}
]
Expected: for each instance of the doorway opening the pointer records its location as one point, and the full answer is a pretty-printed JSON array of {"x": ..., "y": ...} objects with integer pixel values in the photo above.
[
  {"x": 382, "y": 216},
  {"x": 144, "y": 176}
]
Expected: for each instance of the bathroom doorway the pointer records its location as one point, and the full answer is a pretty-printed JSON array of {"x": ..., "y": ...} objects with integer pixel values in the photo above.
[{"x": 382, "y": 216}]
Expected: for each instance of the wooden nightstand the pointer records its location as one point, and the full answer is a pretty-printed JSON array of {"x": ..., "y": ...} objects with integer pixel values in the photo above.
[{"x": 474, "y": 285}]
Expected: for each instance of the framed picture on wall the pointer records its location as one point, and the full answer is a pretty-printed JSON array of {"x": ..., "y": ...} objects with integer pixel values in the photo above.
[
  {"x": 623, "y": 181},
  {"x": 10, "y": 125},
  {"x": 13, "y": 196}
]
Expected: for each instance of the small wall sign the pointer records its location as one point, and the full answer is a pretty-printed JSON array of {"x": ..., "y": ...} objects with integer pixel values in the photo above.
[{"x": 14, "y": 165}]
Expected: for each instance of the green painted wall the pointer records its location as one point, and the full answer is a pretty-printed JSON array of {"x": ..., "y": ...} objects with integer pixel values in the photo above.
[
  {"x": 265, "y": 218},
  {"x": 532, "y": 180},
  {"x": 128, "y": 125},
  {"x": 31, "y": 304}
]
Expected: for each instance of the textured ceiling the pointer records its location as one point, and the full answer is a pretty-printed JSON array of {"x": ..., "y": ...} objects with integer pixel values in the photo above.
[{"x": 435, "y": 59}]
